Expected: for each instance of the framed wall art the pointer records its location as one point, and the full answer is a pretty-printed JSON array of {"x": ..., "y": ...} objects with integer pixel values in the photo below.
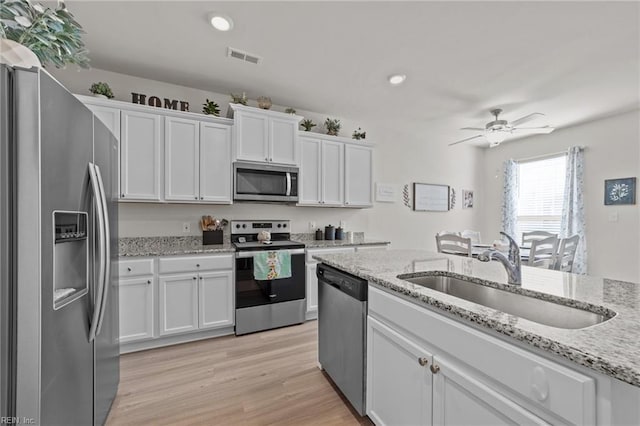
[
  {"x": 467, "y": 199},
  {"x": 430, "y": 198},
  {"x": 620, "y": 191}
]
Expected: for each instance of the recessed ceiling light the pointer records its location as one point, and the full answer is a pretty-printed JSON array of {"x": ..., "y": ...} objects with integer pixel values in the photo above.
[
  {"x": 220, "y": 22},
  {"x": 397, "y": 79}
]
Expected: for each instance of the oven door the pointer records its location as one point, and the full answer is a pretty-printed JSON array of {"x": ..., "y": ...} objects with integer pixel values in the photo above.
[
  {"x": 251, "y": 292},
  {"x": 254, "y": 182}
]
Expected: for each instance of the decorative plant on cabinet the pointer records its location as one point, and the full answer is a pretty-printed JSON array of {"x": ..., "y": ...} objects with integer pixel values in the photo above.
[
  {"x": 210, "y": 108},
  {"x": 333, "y": 126},
  {"x": 307, "y": 124},
  {"x": 101, "y": 89}
]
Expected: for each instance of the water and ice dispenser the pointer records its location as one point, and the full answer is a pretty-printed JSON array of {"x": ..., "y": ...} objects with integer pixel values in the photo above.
[{"x": 70, "y": 257}]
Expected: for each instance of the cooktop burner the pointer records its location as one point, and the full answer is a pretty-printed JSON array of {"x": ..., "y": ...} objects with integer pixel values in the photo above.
[{"x": 245, "y": 235}]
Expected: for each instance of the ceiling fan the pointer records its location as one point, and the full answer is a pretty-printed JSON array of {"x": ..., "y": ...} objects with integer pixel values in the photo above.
[{"x": 496, "y": 131}]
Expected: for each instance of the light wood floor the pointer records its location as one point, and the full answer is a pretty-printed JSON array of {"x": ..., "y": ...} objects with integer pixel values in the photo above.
[{"x": 266, "y": 378}]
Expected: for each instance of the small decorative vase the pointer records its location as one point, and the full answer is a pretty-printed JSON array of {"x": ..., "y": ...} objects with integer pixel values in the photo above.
[
  {"x": 97, "y": 95},
  {"x": 13, "y": 53},
  {"x": 332, "y": 132},
  {"x": 264, "y": 102}
]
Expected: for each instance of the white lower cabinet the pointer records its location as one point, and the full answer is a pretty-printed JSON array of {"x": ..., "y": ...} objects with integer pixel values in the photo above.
[
  {"x": 178, "y": 298},
  {"x": 215, "y": 291},
  {"x": 182, "y": 295},
  {"x": 424, "y": 368},
  {"x": 399, "y": 388},
  {"x": 136, "y": 308}
]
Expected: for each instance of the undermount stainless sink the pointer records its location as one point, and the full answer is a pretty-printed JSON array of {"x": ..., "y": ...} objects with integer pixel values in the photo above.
[{"x": 528, "y": 307}]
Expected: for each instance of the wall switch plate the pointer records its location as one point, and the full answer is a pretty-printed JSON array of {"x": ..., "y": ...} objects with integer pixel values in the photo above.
[
  {"x": 613, "y": 217},
  {"x": 312, "y": 226},
  {"x": 186, "y": 227}
]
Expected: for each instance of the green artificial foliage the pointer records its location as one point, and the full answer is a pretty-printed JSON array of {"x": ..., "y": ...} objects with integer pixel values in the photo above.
[
  {"x": 239, "y": 99},
  {"x": 333, "y": 126},
  {"x": 359, "y": 134},
  {"x": 211, "y": 108},
  {"x": 101, "y": 88},
  {"x": 307, "y": 124},
  {"x": 52, "y": 34},
  {"x": 290, "y": 111}
]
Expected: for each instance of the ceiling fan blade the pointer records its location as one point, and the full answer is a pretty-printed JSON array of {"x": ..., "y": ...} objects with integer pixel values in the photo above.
[
  {"x": 526, "y": 118},
  {"x": 467, "y": 139},
  {"x": 480, "y": 129},
  {"x": 534, "y": 130}
]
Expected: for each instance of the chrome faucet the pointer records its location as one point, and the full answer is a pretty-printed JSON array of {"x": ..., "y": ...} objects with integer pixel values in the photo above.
[{"x": 512, "y": 263}]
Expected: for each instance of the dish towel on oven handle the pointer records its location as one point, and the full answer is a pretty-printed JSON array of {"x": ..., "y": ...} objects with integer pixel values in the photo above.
[{"x": 272, "y": 265}]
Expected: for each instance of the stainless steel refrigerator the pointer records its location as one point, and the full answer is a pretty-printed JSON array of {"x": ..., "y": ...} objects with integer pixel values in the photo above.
[{"x": 59, "y": 353}]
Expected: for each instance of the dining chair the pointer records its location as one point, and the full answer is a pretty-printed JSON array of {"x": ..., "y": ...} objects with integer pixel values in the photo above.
[
  {"x": 529, "y": 237},
  {"x": 453, "y": 244},
  {"x": 567, "y": 253},
  {"x": 543, "y": 253},
  {"x": 474, "y": 235}
]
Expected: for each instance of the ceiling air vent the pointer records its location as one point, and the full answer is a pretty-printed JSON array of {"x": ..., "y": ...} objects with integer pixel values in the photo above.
[{"x": 243, "y": 56}]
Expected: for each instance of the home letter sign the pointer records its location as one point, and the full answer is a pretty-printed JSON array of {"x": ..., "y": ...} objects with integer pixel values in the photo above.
[{"x": 155, "y": 101}]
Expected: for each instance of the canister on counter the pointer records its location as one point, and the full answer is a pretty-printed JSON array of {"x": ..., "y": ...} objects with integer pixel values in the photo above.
[
  {"x": 319, "y": 235},
  {"x": 329, "y": 233},
  {"x": 339, "y": 233}
]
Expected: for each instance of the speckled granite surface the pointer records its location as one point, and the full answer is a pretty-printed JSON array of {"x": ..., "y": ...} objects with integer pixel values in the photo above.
[
  {"x": 358, "y": 240},
  {"x": 611, "y": 348},
  {"x": 167, "y": 246}
]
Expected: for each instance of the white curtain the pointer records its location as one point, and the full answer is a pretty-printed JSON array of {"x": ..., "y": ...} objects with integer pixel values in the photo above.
[
  {"x": 510, "y": 199},
  {"x": 573, "y": 218}
]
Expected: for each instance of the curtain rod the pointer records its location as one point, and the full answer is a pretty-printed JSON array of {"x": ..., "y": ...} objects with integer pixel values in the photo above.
[{"x": 543, "y": 156}]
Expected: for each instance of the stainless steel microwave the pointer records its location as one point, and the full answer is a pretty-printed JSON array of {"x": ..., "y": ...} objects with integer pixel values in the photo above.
[{"x": 265, "y": 182}]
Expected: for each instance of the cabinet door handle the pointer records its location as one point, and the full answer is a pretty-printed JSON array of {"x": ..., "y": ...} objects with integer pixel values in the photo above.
[
  {"x": 200, "y": 278},
  {"x": 197, "y": 265},
  {"x": 270, "y": 159},
  {"x": 195, "y": 278},
  {"x": 148, "y": 281},
  {"x": 434, "y": 368},
  {"x": 266, "y": 159},
  {"x": 122, "y": 195},
  {"x": 202, "y": 198},
  {"x": 423, "y": 361},
  {"x": 129, "y": 269}
]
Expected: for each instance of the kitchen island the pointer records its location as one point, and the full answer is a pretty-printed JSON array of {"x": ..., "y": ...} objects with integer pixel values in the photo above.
[{"x": 587, "y": 375}]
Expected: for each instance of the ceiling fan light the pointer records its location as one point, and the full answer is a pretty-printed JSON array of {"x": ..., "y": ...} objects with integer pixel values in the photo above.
[{"x": 495, "y": 138}]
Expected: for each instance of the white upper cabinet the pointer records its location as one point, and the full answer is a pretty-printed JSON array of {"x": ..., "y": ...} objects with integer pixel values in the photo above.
[
  {"x": 310, "y": 191},
  {"x": 265, "y": 136},
  {"x": 283, "y": 136},
  {"x": 215, "y": 163},
  {"x": 252, "y": 136},
  {"x": 332, "y": 173},
  {"x": 181, "y": 159},
  {"x": 140, "y": 155},
  {"x": 322, "y": 172},
  {"x": 109, "y": 116},
  {"x": 358, "y": 168}
]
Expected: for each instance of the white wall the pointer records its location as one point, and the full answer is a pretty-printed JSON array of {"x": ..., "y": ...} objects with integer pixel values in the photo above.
[
  {"x": 404, "y": 153},
  {"x": 613, "y": 248}
]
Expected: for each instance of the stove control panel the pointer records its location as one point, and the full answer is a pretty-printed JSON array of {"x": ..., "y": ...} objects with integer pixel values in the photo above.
[{"x": 255, "y": 226}]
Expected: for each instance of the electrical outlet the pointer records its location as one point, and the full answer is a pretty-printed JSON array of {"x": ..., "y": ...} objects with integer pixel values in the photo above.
[
  {"x": 186, "y": 227},
  {"x": 343, "y": 224},
  {"x": 312, "y": 226}
]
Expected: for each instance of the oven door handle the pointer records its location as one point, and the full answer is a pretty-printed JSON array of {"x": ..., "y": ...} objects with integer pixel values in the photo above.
[
  {"x": 245, "y": 254},
  {"x": 288, "y": 184}
]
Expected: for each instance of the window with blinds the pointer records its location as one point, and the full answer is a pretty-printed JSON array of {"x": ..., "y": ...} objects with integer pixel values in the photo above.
[{"x": 540, "y": 194}]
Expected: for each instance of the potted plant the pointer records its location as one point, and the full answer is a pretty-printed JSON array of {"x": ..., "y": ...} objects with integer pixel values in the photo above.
[
  {"x": 211, "y": 108},
  {"x": 101, "y": 90},
  {"x": 290, "y": 111},
  {"x": 52, "y": 35},
  {"x": 239, "y": 99},
  {"x": 359, "y": 134},
  {"x": 333, "y": 126},
  {"x": 307, "y": 124}
]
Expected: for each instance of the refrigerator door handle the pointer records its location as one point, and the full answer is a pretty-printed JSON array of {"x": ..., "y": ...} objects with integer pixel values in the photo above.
[
  {"x": 97, "y": 308},
  {"x": 107, "y": 250}
]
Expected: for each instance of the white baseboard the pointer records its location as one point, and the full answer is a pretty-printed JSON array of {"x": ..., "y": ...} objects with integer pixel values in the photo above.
[{"x": 174, "y": 340}]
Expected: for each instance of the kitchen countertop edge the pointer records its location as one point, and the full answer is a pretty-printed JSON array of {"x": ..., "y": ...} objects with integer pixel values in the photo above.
[{"x": 586, "y": 359}]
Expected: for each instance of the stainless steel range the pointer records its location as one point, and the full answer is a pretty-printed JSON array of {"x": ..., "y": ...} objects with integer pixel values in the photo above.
[{"x": 271, "y": 303}]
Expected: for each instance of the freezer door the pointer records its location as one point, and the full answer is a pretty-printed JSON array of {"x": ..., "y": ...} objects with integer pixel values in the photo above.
[{"x": 107, "y": 349}]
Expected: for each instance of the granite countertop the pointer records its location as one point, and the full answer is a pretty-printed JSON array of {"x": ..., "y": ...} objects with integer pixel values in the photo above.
[
  {"x": 169, "y": 246},
  {"x": 611, "y": 348},
  {"x": 358, "y": 240}
]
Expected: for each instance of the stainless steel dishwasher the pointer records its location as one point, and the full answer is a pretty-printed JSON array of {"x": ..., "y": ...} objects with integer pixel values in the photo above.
[{"x": 342, "y": 325}]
